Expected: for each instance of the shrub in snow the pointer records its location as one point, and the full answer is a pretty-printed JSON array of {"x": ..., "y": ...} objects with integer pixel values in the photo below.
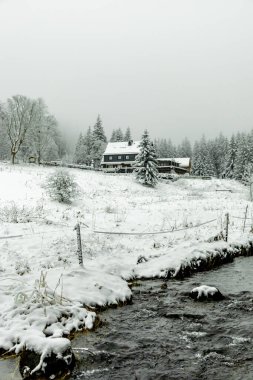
[
  {"x": 12, "y": 213},
  {"x": 205, "y": 292},
  {"x": 61, "y": 186},
  {"x": 22, "y": 267}
]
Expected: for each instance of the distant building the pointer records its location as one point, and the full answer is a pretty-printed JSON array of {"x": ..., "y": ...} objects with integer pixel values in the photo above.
[
  {"x": 179, "y": 165},
  {"x": 120, "y": 157},
  {"x": 185, "y": 163}
]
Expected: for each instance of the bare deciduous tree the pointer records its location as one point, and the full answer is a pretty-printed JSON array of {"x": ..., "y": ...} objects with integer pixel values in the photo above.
[{"x": 17, "y": 117}]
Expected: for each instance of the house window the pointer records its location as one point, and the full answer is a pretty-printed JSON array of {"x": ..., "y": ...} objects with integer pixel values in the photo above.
[
  {"x": 119, "y": 157},
  {"x": 127, "y": 157},
  {"x": 110, "y": 158}
]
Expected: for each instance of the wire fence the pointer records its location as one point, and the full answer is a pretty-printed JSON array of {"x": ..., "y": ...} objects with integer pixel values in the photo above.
[
  {"x": 154, "y": 232},
  {"x": 79, "y": 227},
  {"x": 66, "y": 227}
]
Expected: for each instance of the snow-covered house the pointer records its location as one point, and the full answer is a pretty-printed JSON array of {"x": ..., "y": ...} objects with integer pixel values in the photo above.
[{"x": 120, "y": 156}]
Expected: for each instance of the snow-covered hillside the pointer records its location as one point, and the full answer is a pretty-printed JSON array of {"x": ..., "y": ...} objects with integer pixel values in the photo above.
[{"x": 40, "y": 279}]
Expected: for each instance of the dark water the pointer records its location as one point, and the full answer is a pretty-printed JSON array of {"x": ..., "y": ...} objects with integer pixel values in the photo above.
[{"x": 164, "y": 334}]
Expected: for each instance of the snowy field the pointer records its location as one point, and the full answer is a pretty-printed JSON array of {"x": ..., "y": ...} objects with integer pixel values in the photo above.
[{"x": 42, "y": 287}]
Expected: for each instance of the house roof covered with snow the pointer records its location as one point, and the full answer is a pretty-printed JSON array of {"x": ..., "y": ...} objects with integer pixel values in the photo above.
[{"x": 122, "y": 147}]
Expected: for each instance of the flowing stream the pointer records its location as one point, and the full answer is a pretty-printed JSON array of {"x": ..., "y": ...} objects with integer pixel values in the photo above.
[{"x": 165, "y": 334}]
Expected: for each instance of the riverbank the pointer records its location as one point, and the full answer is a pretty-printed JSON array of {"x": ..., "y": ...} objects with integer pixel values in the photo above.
[{"x": 164, "y": 334}]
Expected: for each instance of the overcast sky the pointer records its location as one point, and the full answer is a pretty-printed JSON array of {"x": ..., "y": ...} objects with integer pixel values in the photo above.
[{"x": 176, "y": 67}]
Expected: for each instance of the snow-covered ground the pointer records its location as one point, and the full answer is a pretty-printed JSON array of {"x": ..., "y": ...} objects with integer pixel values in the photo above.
[{"x": 42, "y": 287}]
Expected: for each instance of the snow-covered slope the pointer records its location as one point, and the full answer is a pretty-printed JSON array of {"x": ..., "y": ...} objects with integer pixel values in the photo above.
[{"x": 40, "y": 279}]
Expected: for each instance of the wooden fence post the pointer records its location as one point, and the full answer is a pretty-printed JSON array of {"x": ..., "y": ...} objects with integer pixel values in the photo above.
[
  {"x": 226, "y": 228},
  {"x": 79, "y": 244},
  {"x": 245, "y": 217}
]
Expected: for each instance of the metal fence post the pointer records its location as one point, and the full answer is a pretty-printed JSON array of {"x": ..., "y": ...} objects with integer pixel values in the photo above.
[{"x": 79, "y": 244}]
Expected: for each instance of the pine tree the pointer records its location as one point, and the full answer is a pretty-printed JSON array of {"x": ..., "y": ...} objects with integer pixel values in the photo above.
[
  {"x": 146, "y": 163},
  {"x": 219, "y": 153},
  {"x": 87, "y": 146},
  {"x": 230, "y": 158},
  {"x": 51, "y": 152},
  {"x": 119, "y": 135},
  {"x": 199, "y": 162},
  {"x": 98, "y": 142},
  {"x": 98, "y": 131},
  {"x": 113, "y": 136},
  {"x": 79, "y": 150},
  {"x": 128, "y": 136},
  {"x": 171, "y": 150},
  {"x": 184, "y": 149},
  {"x": 242, "y": 158}
]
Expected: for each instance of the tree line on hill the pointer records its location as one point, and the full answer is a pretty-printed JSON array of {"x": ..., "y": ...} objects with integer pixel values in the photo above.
[
  {"x": 27, "y": 129},
  {"x": 224, "y": 158}
]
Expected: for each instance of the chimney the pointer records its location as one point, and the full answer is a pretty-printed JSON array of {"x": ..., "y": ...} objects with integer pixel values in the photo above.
[{"x": 130, "y": 142}]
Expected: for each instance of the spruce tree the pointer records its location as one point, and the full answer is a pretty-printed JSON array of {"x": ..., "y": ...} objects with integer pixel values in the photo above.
[
  {"x": 78, "y": 155},
  {"x": 113, "y": 136},
  {"x": 146, "y": 163},
  {"x": 128, "y": 136},
  {"x": 184, "y": 149},
  {"x": 98, "y": 131},
  {"x": 242, "y": 158},
  {"x": 119, "y": 135},
  {"x": 230, "y": 158},
  {"x": 87, "y": 146},
  {"x": 98, "y": 142}
]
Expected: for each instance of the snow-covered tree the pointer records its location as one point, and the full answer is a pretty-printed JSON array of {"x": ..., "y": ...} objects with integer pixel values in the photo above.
[
  {"x": 165, "y": 148},
  {"x": 242, "y": 158},
  {"x": 98, "y": 142},
  {"x": 198, "y": 166},
  {"x": 184, "y": 149},
  {"x": 128, "y": 136},
  {"x": 98, "y": 130},
  {"x": 113, "y": 136},
  {"x": 41, "y": 139},
  {"x": 4, "y": 142},
  {"x": 50, "y": 151},
  {"x": 219, "y": 152},
  {"x": 83, "y": 150},
  {"x": 230, "y": 158},
  {"x": 119, "y": 135},
  {"x": 146, "y": 163},
  {"x": 88, "y": 143},
  {"x": 79, "y": 156},
  {"x": 17, "y": 116}
]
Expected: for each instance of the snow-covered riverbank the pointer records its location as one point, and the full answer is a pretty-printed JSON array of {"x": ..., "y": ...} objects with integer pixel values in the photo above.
[{"x": 42, "y": 288}]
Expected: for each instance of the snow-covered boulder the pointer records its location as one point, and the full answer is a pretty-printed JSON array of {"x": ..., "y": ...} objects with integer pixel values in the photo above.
[
  {"x": 56, "y": 359},
  {"x": 205, "y": 292}
]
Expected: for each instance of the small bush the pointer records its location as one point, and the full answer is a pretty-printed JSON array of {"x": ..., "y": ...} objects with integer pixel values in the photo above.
[
  {"x": 61, "y": 187},
  {"x": 12, "y": 213}
]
